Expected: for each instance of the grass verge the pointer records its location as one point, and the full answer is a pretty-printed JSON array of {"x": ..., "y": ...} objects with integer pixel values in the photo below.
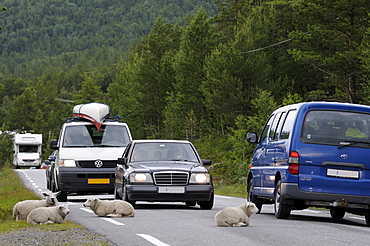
[
  {"x": 12, "y": 190},
  {"x": 236, "y": 190}
]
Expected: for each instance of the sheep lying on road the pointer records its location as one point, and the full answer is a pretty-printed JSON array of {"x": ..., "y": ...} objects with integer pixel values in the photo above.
[
  {"x": 45, "y": 215},
  {"x": 115, "y": 208},
  {"x": 236, "y": 216},
  {"x": 22, "y": 209}
]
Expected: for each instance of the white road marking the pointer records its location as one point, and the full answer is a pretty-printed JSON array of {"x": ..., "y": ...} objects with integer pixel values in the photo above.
[
  {"x": 312, "y": 211},
  {"x": 357, "y": 218},
  {"x": 87, "y": 210},
  {"x": 152, "y": 240},
  {"x": 113, "y": 221},
  {"x": 228, "y": 197}
]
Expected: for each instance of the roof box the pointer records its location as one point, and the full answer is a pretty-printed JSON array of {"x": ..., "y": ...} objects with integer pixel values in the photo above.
[{"x": 94, "y": 112}]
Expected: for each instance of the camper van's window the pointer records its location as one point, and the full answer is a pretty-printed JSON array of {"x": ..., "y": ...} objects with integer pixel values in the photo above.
[
  {"x": 28, "y": 148},
  {"x": 337, "y": 128},
  {"x": 266, "y": 128},
  {"x": 288, "y": 124}
]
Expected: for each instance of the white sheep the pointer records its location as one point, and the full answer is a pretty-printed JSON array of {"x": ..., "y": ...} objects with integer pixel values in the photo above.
[
  {"x": 22, "y": 209},
  {"x": 115, "y": 208},
  {"x": 45, "y": 215},
  {"x": 236, "y": 216}
]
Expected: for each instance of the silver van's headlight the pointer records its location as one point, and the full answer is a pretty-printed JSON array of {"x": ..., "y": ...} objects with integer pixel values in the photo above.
[
  {"x": 141, "y": 178},
  {"x": 200, "y": 178},
  {"x": 67, "y": 163}
]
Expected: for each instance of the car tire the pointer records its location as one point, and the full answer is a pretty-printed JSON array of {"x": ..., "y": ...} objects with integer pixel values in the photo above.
[
  {"x": 282, "y": 211},
  {"x": 251, "y": 197},
  {"x": 116, "y": 194},
  {"x": 367, "y": 219},
  {"x": 207, "y": 205},
  {"x": 52, "y": 186},
  {"x": 125, "y": 195},
  {"x": 63, "y": 197},
  {"x": 190, "y": 203},
  {"x": 337, "y": 213}
]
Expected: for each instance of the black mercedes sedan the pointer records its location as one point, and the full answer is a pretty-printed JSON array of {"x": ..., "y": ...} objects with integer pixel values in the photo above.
[{"x": 163, "y": 171}]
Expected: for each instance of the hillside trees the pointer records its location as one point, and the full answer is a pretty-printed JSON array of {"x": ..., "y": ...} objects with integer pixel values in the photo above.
[
  {"x": 328, "y": 37},
  {"x": 186, "y": 105},
  {"x": 141, "y": 85},
  {"x": 206, "y": 81},
  {"x": 50, "y": 36}
]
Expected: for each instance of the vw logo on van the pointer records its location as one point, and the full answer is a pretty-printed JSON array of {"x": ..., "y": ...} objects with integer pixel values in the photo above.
[
  {"x": 344, "y": 156},
  {"x": 98, "y": 163}
]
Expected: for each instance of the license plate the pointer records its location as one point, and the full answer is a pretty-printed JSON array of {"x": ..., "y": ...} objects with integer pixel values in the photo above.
[
  {"x": 342, "y": 173},
  {"x": 171, "y": 190},
  {"x": 98, "y": 181}
]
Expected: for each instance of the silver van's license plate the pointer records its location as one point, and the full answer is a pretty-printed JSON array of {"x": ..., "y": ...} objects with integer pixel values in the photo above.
[
  {"x": 171, "y": 190},
  {"x": 342, "y": 173}
]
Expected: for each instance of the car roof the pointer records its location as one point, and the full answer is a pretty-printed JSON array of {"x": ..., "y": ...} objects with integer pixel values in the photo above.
[
  {"x": 90, "y": 123},
  {"x": 326, "y": 105},
  {"x": 159, "y": 141}
]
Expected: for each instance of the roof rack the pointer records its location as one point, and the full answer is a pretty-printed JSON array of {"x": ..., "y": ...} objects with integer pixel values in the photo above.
[{"x": 109, "y": 119}]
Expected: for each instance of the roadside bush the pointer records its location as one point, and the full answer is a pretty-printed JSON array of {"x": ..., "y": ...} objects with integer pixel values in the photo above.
[{"x": 6, "y": 146}]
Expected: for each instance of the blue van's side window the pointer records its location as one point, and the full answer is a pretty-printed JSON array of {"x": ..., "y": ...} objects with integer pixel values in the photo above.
[
  {"x": 279, "y": 127},
  {"x": 288, "y": 124},
  {"x": 274, "y": 133},
  {"x": 266, "y": 128}
]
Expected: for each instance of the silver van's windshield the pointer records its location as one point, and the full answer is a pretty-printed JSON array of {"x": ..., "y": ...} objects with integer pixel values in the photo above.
[
  {"x": 336, "y": 128},
  {"x": 89, "y": 136}
]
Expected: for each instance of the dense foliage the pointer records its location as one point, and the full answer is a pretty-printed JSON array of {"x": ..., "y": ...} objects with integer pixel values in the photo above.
[{"x": 209, "y": 79}]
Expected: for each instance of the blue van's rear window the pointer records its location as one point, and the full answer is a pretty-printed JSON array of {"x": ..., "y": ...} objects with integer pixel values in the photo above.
[{"x": 336, "y": 128}]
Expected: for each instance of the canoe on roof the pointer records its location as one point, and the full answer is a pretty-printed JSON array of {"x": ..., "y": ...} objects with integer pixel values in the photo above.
[{"x": 95, "y": 112}]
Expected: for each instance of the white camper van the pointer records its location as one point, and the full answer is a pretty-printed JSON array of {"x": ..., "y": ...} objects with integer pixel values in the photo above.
[
  {"x": 27, "y": 150},
  {"x": 87, "y": 151}
]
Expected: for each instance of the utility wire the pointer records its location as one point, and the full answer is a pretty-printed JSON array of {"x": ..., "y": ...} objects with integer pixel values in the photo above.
[
  {"x": 272, "y": 45},
  {"x": 250, "y": 51}
]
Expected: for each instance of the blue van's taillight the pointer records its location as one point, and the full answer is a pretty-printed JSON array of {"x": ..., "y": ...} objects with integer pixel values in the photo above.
[{"x": 293, "y": 163}]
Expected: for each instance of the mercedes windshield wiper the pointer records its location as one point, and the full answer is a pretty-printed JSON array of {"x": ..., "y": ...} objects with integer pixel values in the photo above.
[{"x": 351, "y": 143}]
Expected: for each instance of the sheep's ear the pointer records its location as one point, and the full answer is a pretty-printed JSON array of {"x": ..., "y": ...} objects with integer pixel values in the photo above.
[
  {"x": 45, "y": 194},
  {"x": 57, "y": 193}
]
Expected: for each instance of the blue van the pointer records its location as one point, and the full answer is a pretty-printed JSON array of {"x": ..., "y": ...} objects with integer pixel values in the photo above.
[{"x": 313, "y": 154}]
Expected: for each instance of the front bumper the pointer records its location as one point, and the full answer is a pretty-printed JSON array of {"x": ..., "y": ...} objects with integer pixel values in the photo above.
[
  {"x": 151, "y": 193},
  {"x": 90, "y": 180}
]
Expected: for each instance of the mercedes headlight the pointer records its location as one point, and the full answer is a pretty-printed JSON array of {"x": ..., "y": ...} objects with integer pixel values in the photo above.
[
  {"x": 141, "y": 178},
  {"x": 200, "y": 178}
]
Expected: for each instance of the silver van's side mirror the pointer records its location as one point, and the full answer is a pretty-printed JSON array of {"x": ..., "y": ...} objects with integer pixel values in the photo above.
[
  {"x": 252, "y": 137},
  {"x": 54, "y": 144}
]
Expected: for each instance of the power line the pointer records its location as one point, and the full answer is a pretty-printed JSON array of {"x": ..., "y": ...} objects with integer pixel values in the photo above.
[
  {"x": 272, "y": 45},
  {"x": 250, "y": 51}
]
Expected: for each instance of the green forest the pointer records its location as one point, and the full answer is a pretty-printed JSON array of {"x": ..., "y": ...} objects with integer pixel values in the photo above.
[{"x": 206, "y": 71}]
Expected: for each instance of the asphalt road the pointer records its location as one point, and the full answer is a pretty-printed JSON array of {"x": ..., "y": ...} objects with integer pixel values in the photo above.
[{"x": 175, "y": 224}]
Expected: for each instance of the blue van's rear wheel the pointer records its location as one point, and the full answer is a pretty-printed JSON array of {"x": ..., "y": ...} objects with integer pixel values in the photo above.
[
  {"x": 282, "y": 211},
  {"x": 337, "y": 213},
  {"x": 367, "y": 219}
]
